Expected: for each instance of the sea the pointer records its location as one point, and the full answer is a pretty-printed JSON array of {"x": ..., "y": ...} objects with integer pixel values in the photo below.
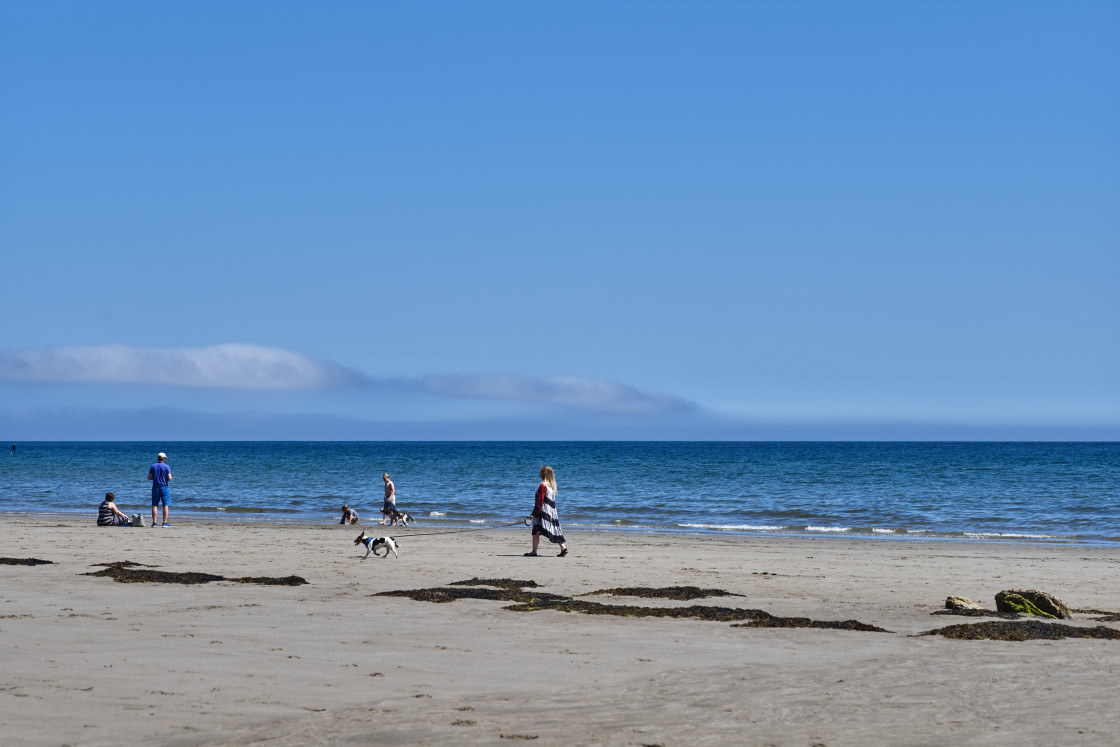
[{"x": 968, "y": 492}]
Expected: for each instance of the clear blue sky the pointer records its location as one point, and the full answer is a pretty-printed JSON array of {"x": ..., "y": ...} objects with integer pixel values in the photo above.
[{"x": 559, "y": 220}]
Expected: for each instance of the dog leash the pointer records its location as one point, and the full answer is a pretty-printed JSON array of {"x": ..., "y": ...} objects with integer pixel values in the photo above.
[{"x": 526, "y": 521}]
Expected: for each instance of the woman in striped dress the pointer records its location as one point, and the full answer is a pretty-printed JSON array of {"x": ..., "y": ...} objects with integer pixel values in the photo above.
[
  {"x": 108, "y": 515},
  {"x": 546, "y": 520}
]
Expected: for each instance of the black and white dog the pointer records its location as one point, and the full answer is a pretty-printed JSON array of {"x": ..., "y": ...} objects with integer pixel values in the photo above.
[
  {"x": 372, "y": 543},
  {"x": 395, "y": 516}
]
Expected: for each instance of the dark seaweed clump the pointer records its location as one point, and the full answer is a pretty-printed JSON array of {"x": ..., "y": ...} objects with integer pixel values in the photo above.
[
  {"x": 1029, "y": 630},
  {"x": 753, "y": 618},
  {"x": 132, "y": 576},
  {"x": 501, "y": 583},
  {"x": 681, "y": 593},
  {"x": 803, "y": 622},
  {"x": 1104, "y": 615},
  {"x": 979, "y": 613},
  {"x": 125, "y": 572},
  {"x": 25, "y": 561},
  {"x": 270, "y": 580},
  {"x": 440, "y": 595},
  {"x": 508, "y": 591}
]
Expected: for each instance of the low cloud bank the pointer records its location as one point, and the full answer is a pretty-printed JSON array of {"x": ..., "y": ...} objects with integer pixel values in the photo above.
[
  {"x": 567, "y": 391},
  {"x": 229, "y": 366},
  {"x": 255, "y": 367}
]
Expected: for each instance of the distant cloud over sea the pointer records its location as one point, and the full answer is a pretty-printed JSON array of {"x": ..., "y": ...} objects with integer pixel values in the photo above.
[
  {"x": 255, "y": 367},
  {"x": 228, "y": 366},
  {"x": 570, "y": 391}
]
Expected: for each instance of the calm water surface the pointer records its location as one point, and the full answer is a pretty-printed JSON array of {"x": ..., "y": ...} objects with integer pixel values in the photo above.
[{"x": 1036, "y": 492}]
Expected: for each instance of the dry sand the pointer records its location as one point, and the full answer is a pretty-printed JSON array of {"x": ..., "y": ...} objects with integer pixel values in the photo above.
[{"x": 90, "y": 661}]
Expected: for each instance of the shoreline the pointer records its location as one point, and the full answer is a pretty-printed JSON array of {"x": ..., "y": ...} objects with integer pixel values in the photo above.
[
  {"x": 454, "y": 525},
  {"x": 91, "y": 661}
]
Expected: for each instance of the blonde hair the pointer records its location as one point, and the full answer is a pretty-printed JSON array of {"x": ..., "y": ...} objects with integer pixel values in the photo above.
[{"x": 549, "y": 477}]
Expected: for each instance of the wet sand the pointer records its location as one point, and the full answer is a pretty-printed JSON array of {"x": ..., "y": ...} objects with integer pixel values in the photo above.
[{"x": 91, "y": 661}]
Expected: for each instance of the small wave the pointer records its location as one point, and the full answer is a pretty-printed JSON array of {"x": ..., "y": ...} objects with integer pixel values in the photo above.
[
  {"x": 478, "y": 521},
  {"x": 245, "y": 510},
  {"x": 831, "y": 530},
  {"x": 437, "y": 513},
  {"x": 1006, "y": 535},
  {"x": 735, "y": 527}
]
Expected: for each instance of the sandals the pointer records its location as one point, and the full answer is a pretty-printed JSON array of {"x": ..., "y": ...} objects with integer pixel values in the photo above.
[{"x": 563, "y": 553}]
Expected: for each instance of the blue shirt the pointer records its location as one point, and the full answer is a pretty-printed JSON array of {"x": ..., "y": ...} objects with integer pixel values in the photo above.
[{"x": 160, "y": 473}]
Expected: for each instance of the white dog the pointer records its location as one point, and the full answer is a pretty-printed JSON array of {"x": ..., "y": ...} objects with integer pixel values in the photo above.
[{"x": 372, "y": 543}]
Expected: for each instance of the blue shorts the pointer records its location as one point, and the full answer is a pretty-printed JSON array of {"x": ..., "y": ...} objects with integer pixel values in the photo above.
[{"x": 161, "y": 494}]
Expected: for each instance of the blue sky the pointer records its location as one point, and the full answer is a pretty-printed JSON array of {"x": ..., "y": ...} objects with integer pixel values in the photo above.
[{"x": 492, "y": 220}]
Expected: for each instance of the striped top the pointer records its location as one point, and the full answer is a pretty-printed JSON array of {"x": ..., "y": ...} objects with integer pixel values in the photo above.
[{"x": 105, "y": 515}]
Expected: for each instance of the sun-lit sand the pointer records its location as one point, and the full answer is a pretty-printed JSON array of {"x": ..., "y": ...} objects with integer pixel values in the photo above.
[{"x": 90, "y": 661}]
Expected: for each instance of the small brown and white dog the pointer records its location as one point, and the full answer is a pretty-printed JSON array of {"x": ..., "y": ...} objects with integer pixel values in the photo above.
[{"x": 372, "y": 543}]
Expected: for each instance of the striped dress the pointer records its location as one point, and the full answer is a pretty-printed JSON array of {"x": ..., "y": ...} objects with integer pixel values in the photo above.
[
  {"x": 546, "y": 520},
  {"x": 106, "y": 517}
]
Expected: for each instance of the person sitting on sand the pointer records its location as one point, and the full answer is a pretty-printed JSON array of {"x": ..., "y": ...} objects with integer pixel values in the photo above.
[
  {"x": 349, "y": 515},
  {"x": 108, "y": 515}
]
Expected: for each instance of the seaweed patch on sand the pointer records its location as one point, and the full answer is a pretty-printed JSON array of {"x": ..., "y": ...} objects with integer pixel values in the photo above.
[
  {"x": 501, "y": 583},
  {"x": 440, "y": 595},
  {"x": 803, "y": 622},
  {"x": 270, "y": 580},
  {"x": 125, "y": 572},
  {"x": 680, "y": 593},
  {"x": 1028, "y": 630},
  {"x": 1103, "y": 615},
  {"x": 25, "y": 561},
  {"x": 508, "y": 591},
  {"x": 979, "y": 613}
]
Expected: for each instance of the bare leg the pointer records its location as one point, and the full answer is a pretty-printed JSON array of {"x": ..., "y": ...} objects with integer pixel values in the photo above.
[
  {"x": 153, "y": 516},
  {"x": 165, "y": 513},
  {"x": 536, "y": 541}
]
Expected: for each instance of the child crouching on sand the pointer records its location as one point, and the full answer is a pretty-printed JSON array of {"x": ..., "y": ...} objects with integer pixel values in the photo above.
[{"x": 349, "y": 515}]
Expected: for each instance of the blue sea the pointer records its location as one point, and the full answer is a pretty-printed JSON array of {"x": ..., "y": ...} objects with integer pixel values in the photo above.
[{"x": 1008, "y": 492}]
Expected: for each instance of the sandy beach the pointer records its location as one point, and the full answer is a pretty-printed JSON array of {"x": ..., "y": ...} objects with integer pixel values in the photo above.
[{"x": 92, "y": 661}]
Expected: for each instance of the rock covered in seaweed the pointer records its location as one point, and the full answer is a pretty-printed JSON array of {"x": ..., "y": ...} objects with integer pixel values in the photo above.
[{"x": 1032, "y": 602}]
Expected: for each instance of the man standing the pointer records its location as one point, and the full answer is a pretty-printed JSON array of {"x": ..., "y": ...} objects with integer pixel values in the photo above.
[
  {"x": 390, "y": 503},
  {"x": 160, "y": 475}
]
